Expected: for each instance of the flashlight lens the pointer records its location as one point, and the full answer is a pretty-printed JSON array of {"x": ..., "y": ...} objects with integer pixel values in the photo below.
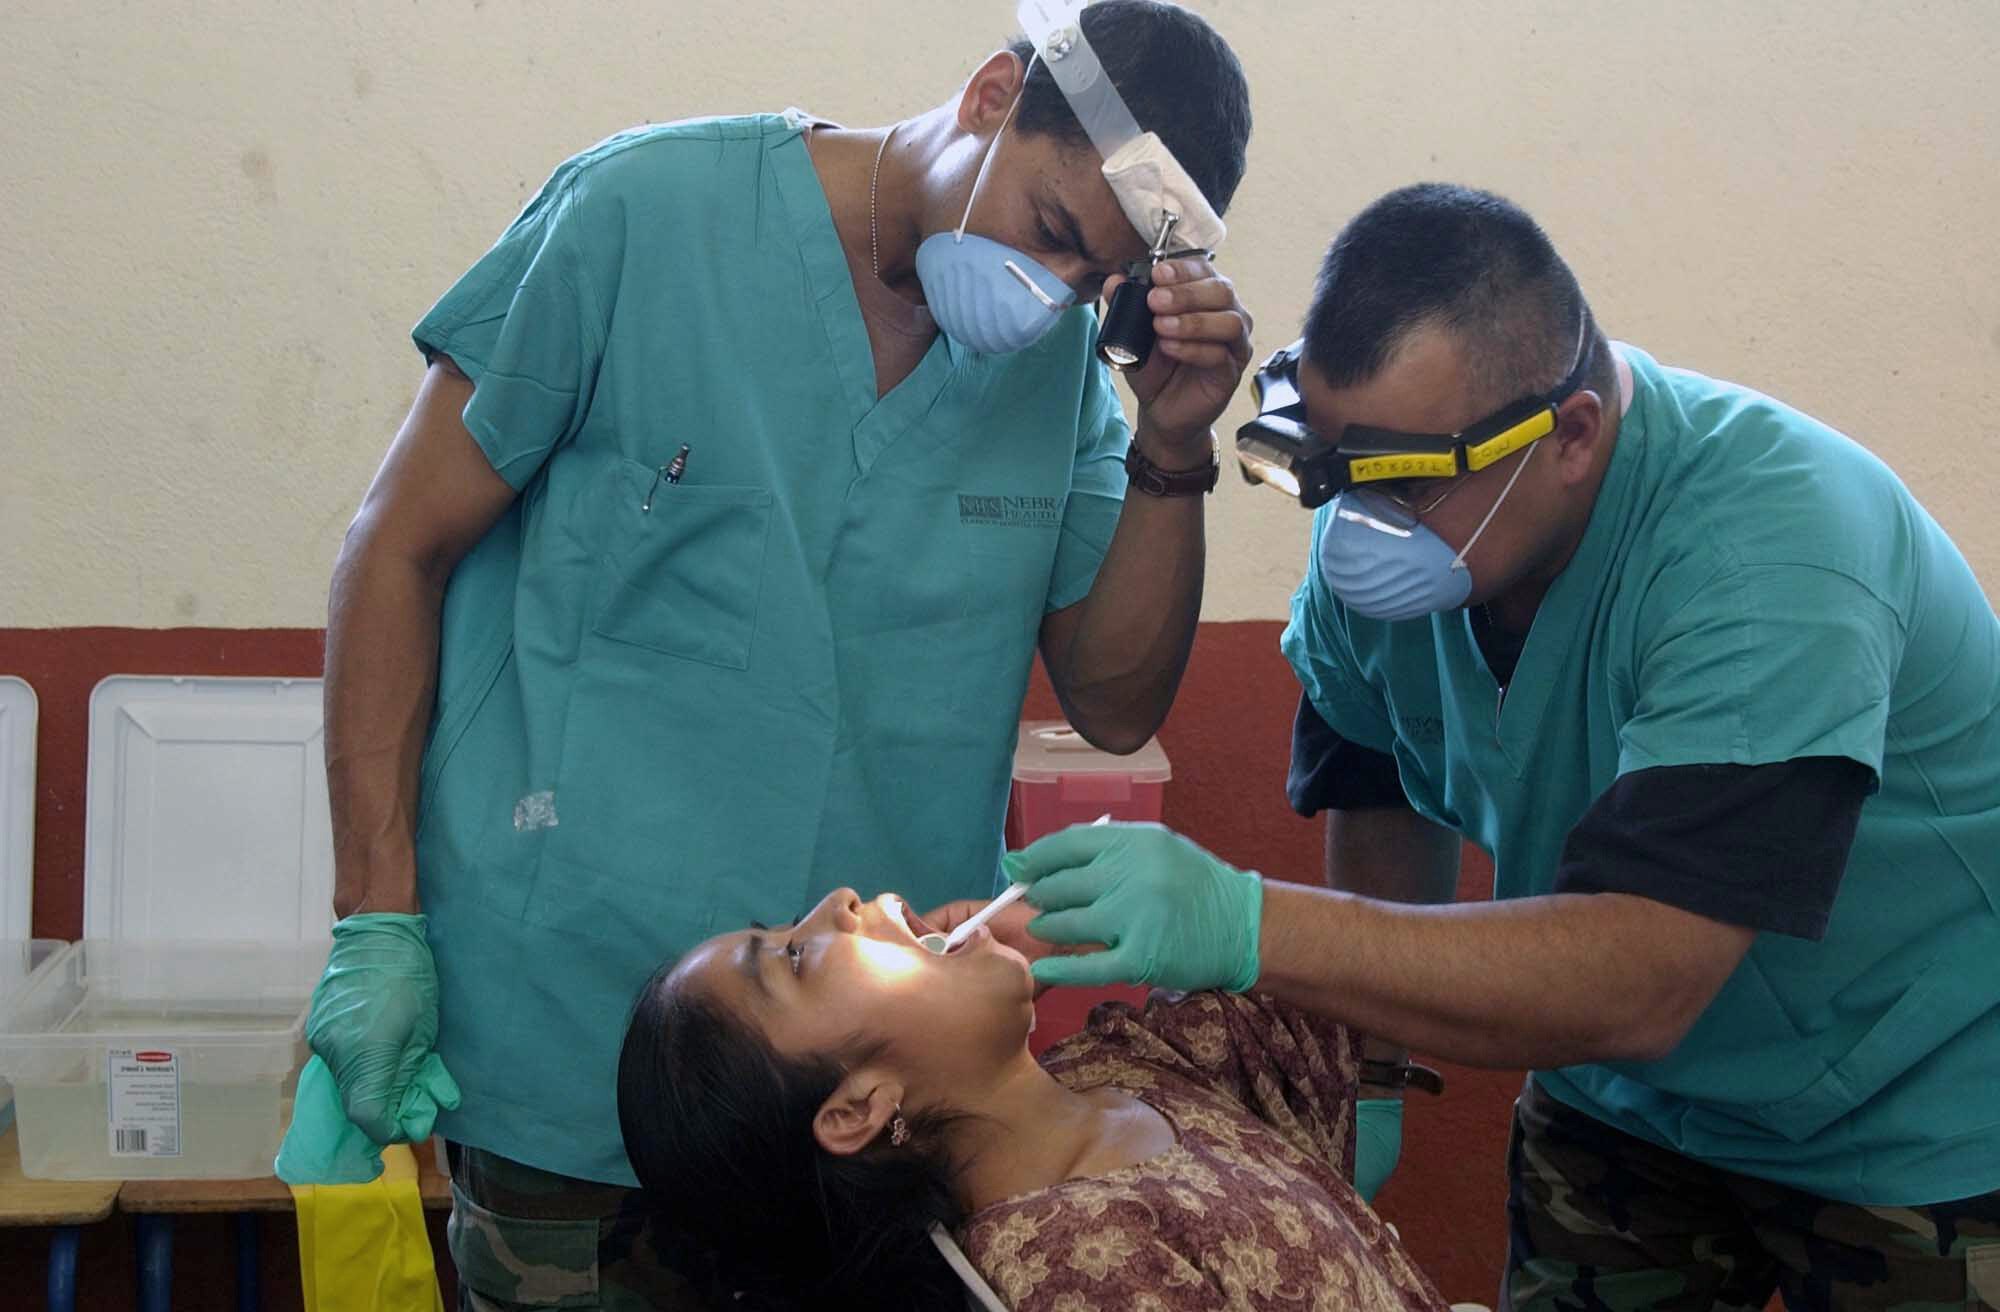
[
  {"x": 1282, "y": 479},
  {"x": 1126, "y": 337},
  {"x": 1263, "y": 471}
]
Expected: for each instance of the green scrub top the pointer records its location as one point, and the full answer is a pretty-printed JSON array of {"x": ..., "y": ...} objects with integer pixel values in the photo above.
[
  {"x": 1752, "y": 587},
  {"x": 667, "y": 709}
]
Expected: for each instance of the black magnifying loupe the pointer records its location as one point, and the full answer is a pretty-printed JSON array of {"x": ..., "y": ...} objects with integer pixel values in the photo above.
[{"x": 1125, "y": 338}]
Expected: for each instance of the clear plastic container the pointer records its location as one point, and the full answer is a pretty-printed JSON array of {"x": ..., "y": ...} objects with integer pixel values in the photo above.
[
  {"x": 158, "y": 1059},
  {"x": 1061, "y": 780},
  {"x": 21, "y": 960}
]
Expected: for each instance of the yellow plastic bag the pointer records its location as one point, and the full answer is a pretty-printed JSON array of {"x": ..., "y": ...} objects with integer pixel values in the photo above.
[{"x": 363, "y": 1247}]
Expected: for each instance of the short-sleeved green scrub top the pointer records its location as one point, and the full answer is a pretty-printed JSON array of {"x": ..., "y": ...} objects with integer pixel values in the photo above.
[
  {"x": 666, "y": 709},
  {"x": 1752, "y": 587}
]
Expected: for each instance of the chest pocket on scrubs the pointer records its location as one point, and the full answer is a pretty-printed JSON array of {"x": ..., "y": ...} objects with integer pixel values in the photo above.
[{"x": 691, "y": 573}]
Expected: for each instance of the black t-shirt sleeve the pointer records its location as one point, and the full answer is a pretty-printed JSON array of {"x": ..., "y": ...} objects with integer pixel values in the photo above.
[
  {"x": 1760, "y": 846},
  {"x": 1328, "y": 773}
]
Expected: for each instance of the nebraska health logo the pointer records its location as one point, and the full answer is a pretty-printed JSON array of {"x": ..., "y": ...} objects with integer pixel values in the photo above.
[{"x": 1010, "y": 512}]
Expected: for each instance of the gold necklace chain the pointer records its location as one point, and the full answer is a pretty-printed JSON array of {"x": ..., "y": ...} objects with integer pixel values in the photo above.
[{"x": 874, "y": 176}]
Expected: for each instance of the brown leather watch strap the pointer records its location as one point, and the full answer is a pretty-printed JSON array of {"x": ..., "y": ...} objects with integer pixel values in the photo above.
[
  {"x": 1154, "y": 481},
  {"x": 1402, "y": 1075}
]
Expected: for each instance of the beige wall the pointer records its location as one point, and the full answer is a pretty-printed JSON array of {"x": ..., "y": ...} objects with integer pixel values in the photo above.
[{"x": 217, "y": 222}]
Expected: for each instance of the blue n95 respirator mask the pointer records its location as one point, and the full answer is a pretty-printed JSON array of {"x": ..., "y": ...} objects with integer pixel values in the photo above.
[
  {"x": 1382, "y": 561},
  {"x": 984, "y": 294}
]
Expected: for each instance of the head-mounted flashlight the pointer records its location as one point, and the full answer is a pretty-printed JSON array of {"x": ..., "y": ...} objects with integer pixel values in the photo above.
[
  {"x": 1277, "y": 448},
  {"x": 1158, "y": 197}
]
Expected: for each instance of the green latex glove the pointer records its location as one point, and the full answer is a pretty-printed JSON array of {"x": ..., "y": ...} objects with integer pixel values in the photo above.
[
  {"x": 374, "y": 1021},
  {"x": 1170, "y": 914},
  {"x": 322, "y": 1146},
  {"x": 1378, "y": 1143}
]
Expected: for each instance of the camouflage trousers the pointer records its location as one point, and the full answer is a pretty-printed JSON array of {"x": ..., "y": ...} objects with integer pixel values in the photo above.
[
  {"x": 1599, "y": 1221},
  {"x": 523, "y": 1238}
]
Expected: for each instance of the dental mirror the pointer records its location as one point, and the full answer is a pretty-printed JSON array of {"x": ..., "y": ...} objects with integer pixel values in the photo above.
[{"x": 940, "y": 944}]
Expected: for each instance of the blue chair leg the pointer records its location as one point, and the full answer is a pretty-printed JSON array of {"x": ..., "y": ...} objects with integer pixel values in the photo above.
[
  {"x": 156, "y": 1262},
  {"x": 249, "y": 1270},
  {"x": 62, "y": 1268}
]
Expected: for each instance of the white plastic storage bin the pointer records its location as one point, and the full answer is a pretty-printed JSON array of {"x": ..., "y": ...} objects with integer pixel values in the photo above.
[
  {"x": 21, "y": 960},
  {"x": 17, "y": 807},
  {"x": 205, "y": 793},
  {"x": 165, "y": 1059}
]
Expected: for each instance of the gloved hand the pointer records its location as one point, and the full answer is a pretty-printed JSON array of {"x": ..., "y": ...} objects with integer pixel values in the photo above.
[
  {"x": 374, "y": 1021},
  {"x": 321, "y": 1145},
  {"x": 1378, "y": 1143},
  {"x": 1173, "y": 915}
]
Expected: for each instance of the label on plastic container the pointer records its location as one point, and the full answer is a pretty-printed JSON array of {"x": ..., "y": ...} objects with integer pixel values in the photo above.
[{"x": 145, "y": 1087}]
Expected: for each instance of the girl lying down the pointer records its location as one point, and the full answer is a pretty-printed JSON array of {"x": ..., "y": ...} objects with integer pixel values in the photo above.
[{"x": 808, "y": 1103}]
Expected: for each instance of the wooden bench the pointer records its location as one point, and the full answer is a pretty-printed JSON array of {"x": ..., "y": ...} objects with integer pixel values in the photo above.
[
  {"x": 155, "y": 1203},
  {"x": 63, "y": 1205}
]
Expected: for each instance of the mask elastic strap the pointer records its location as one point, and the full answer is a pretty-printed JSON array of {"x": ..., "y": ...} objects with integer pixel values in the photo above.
[
  {"x": 975, "y": 1284},
  {"x": 1458, "y": 561},
  {"x": 979, "y": 179}
]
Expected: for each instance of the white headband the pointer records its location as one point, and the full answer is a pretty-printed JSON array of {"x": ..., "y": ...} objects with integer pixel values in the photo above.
[{"x": 1144, "y": 175}]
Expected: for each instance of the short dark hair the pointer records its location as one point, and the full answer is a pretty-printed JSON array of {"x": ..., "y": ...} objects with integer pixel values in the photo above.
[
  {"x": 718, "y": 1128},
  {"x": 1175, "y": 73},
  {"x": 1468, "y": 261}
]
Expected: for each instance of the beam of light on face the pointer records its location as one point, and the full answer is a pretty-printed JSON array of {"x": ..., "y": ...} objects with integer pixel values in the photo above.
[{"x": 888, "y": 961}]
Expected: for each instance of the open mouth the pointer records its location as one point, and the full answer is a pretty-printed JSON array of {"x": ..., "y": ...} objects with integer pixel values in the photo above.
[
  {"x": 901, "y": 915},
  {"x": 904, "y": 918}
]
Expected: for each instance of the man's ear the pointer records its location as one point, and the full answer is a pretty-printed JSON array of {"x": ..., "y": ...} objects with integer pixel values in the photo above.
[
  {"x": 1579, "y": 430},
  {"x": 990, "y": 93},
  {"x": 858, "y": 1112}
]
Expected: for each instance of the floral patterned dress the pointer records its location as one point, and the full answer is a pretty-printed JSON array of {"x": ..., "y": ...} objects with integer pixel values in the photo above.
[{"x": 1250, "y": 1210}]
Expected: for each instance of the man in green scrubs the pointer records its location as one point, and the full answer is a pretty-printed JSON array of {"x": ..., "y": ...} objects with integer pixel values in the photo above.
[
  {"x": 1723, "y": 703},
  {"x": 706, "y": 575}
]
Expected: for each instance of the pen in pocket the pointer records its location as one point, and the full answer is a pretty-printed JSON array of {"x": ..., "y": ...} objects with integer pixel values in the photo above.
[{"x": 671, "y": 471}]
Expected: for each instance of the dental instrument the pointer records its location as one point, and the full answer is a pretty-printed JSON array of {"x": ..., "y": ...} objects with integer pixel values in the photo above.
[{"x": 943, "y": 943}]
